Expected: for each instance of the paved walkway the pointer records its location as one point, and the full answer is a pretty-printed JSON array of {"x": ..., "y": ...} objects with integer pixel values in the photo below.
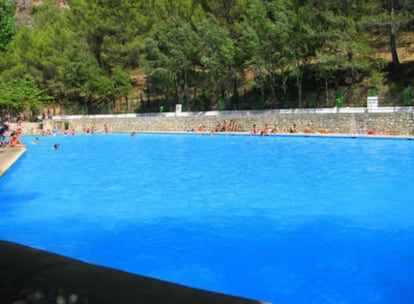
[{"x": 8, "y": 156}]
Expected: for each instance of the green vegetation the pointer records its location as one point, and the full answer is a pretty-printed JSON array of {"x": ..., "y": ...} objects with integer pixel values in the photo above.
[
  {"x": 408, "y": 96},
  {"x": 22, "y": 95},
  {"x": 7, "y": 25},
  {"x": 113, "y": 56}
]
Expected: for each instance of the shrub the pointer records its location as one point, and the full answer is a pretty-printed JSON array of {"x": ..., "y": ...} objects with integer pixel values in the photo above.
[{"x": 408, "y": 96}]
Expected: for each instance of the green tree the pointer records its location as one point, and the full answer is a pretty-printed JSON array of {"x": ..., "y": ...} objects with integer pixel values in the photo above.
[
  {"x": 302, "y": 44},
  {"x": 345, "y": 45},
  {"x": 81, "y": 75},
  {"x": 216, "y": 56},
  {"x": 326, "y": 57},
  {"x": 39, "y": 51},
  {"x": 184, "y": 9},
  {"x": 199, "y": 52},
  {"x": 22, "y": 95},
  {"x": 114, "y": 30},
  {"x": 265, "y": 35},
  {"x": 122, "y": 85},
  {"x": 7, "y": 24},
  {"x": 172, "y": 52},
  {"x": 390, "y": 17},
  {"x": 222, "y": 10}
]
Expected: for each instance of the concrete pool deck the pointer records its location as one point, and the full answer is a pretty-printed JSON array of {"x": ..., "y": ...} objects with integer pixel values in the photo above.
[
  {"x": 8, "y": 156},
  {"x": 28, "y": 275}
]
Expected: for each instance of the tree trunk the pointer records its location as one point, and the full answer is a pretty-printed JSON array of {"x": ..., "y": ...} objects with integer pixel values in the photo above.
[
  {"x": 299, "y": 85},
  {"x": 393, "y": 39},
  {"x": 236, "y": 96},
  {"x": 351, "y": 60},
  {"x": 272, "y": 88},
  {"x": 148, "y": 93},
  {"x": 186, "y": 95},
  {"x": 126, "y": 104}
]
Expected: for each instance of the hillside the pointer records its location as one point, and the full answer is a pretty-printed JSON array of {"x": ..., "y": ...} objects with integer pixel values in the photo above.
[{"x": 234, "y": 55}]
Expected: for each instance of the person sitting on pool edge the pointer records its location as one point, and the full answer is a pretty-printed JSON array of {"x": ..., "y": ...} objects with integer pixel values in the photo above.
[
  {"x": 254, "y": 130},
  {"x": 266, "y": 130},
  {"x": 14, "y": 141},
  {"x": 276, "y": 129},
  {"x": 308, "y": 128}
]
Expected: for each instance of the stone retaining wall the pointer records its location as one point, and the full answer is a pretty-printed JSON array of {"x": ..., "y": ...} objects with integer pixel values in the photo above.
[{"x": 343, "y": 121}]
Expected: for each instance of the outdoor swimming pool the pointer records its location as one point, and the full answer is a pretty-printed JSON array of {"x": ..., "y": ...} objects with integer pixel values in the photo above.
[{"x": 284, "y": 219}]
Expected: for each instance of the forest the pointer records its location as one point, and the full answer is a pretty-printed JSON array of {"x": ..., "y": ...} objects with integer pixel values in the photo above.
[{"x": 125, "y": 56}]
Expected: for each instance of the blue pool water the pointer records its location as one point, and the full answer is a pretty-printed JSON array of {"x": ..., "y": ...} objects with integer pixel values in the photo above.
[{"x": 282, "y": 219}]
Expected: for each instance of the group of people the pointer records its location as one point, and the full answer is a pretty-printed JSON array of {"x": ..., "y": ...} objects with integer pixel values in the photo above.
[
  {"x": 268, "y": 130},
  {"x": 230, "y": 126},
  {"x": 14, "y": 137},
  {"x": 14, "y": 140},
  {"x": 226, "y": 127},
  {"x": 265, "y": 130}
]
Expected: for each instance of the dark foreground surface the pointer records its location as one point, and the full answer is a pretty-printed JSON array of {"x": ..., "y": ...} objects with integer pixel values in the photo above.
[{"x": 29, "y": 275}]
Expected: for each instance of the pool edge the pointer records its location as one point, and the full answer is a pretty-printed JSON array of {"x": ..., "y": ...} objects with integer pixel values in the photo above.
[
  {"x": 298, "y": 135},
  {"x": 8, "y": 157}
]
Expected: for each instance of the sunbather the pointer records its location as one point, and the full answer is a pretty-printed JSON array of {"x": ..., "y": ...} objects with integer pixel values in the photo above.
[{"x": 14, "y": 141}]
